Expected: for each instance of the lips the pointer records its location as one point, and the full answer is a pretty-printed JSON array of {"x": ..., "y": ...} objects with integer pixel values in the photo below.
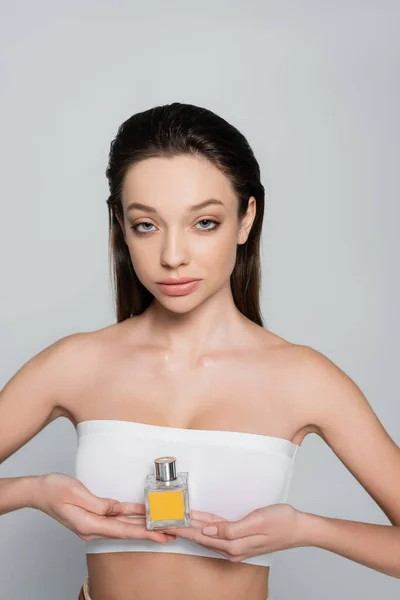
[
  {"x": 179, "y": 289},
  {"x": 173, "y": 281}
]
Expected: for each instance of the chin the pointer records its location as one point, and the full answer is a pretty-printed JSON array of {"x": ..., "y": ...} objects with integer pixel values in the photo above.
[{"x": 179, "y": 304}]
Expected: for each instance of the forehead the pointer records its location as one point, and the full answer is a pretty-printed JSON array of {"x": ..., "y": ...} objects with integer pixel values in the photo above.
[{"x": 181, "y": 180}]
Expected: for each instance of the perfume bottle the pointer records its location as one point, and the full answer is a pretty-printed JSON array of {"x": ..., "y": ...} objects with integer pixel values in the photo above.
[{"x": 166, "y": 495}]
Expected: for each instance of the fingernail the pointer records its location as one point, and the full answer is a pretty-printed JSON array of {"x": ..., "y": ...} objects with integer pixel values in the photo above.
[{"x": 210, "y": 530}]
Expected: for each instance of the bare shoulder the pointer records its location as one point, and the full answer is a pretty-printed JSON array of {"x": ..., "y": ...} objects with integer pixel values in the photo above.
[
  {"x": 84, "y": 358},
  {"x": 312, "y": 369},
  {"x": 45, "y": 372},
  {"x": 340, "y": 413},
  {"x": 303, "y": 373},
  {"x": 53, "y": 377},
  {"x": 32, "y": 398},
  {"x": 325, "y": 393},
  {"x": 275, "y": 347}
]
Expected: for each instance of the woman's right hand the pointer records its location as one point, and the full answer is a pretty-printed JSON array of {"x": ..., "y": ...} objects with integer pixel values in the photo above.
[{"x": 91, "y": 517}]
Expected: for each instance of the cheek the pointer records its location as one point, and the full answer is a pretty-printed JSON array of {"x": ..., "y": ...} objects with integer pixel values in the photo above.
[
  {"x": 219, "y": 253},
  {"x": 216, "y": 252},
  {"x": 142, "y": 260}
]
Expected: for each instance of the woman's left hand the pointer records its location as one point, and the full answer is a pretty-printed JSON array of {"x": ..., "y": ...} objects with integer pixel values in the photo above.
[{"x": 264, "y": 530}]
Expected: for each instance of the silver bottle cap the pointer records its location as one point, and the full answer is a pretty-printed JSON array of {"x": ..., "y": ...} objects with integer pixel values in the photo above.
[{"x": 165, "y": 467}]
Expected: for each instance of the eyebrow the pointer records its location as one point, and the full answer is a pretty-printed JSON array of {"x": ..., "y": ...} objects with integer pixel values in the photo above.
[{"x": 191, "y": 208}]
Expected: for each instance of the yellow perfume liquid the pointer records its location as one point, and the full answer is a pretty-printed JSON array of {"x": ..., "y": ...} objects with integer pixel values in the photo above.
[{"x": 166, "y": 496}]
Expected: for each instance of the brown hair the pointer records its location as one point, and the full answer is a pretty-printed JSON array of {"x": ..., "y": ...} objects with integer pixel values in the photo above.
[{"x": 172, "y": 130}]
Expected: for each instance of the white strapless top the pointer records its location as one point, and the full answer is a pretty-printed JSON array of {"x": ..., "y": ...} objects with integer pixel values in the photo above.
[{"x": 230, "y": 473}]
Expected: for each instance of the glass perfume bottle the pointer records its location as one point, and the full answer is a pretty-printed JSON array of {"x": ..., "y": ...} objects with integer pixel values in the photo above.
[{"x": 166, "y": 495}]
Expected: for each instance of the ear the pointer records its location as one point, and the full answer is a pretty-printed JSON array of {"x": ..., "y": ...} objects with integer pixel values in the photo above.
[{"x": 247, "y": 221}]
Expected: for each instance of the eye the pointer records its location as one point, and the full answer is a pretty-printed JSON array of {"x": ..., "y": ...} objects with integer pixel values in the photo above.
[
  {"x": 145, "y": 225},
  {"x": 135, "y": 227},
  {"x": 216, "y": 223}
]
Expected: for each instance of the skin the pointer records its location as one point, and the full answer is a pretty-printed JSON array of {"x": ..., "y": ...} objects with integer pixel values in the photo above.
[
  {"x": 196, "y": 362},
  {"x": 188, "y": 353}
]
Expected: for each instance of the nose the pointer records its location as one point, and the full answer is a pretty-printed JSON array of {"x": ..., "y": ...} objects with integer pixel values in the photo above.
[{"x": 174, "y": 250}]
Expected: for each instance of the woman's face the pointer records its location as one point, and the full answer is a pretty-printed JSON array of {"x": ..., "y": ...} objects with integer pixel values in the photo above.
[{"x": 168, "y": 237}]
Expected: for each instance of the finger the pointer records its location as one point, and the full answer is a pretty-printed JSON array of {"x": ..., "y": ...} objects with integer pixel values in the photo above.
[
  {"x": 206, "y": 516},
  {"x": 111, "y": 506},
  {"x": 190, "y": 533},
  {"x": 133, "y": 519},
  {"x": 130, "y": 508},
  {"x": 194, "y": 524},
  {"x": 100, "y": 506},
  {"x": 240, "y": 545},
  {"x": 194, "y": 534},
  {"x": 232, "y": 530},
  {"x": 249, "y": 546},
  {"x": 141, "y": 521},
  {"x": 96, "y": 526},
  {"x": 115, "y": 528},
  {"x": 161, "y": 536}
]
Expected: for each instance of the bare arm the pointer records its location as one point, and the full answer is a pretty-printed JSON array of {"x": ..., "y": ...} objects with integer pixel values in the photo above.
[
  {"x": 28, "y": 403},
  {"x": 353, "y": 431},
  {"x": 18, "y": 492},
  {"x": 374, "y": 546},
  {"x": 31, "y": 400}
]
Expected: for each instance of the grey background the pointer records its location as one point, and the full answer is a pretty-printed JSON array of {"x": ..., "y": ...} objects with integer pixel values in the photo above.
[{"x": 315, "y": 88}]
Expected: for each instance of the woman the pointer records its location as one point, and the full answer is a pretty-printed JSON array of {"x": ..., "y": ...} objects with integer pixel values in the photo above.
[{"x": 189, "y": 369}]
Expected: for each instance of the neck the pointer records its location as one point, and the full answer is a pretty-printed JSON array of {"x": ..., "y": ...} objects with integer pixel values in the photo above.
[{"x": 213, "y": 325}]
